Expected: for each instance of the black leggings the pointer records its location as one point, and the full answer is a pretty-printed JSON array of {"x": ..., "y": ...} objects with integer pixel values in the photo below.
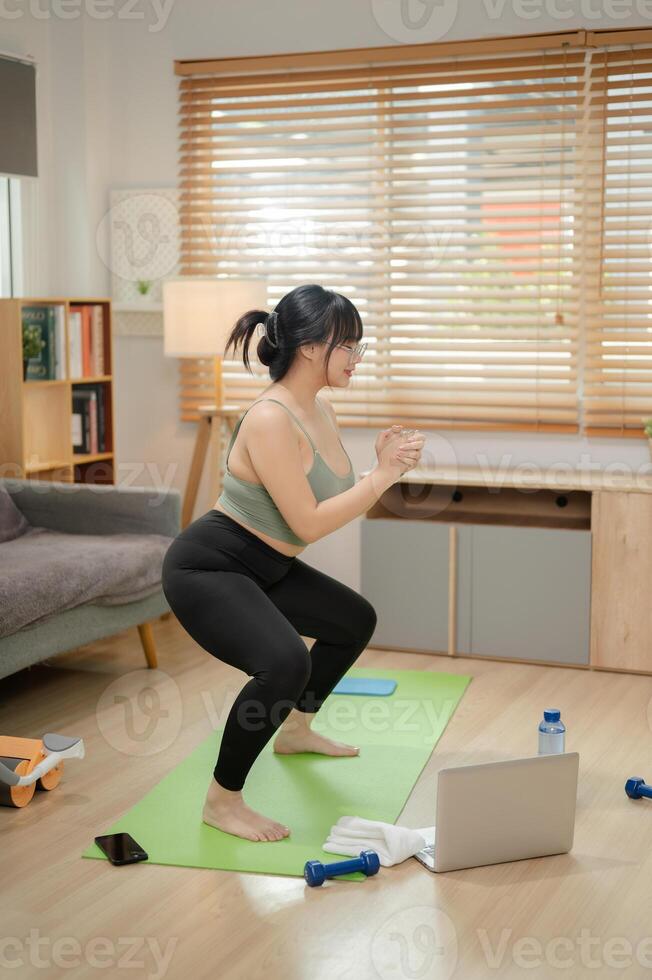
[{"x": 249, "y": 605}]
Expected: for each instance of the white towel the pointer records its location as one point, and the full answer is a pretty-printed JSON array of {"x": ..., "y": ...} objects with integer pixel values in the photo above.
[{"x": 393, "y": 844}]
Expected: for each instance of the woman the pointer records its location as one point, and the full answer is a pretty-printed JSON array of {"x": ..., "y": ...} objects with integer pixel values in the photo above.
[{"x": 233, "y": 578}]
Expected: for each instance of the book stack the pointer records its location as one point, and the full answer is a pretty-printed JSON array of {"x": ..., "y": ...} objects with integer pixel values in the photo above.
[
  {"x": 86, "y": 341},
  {"x": 88, "y": 418},
  {"x": 86, "y": 328}
]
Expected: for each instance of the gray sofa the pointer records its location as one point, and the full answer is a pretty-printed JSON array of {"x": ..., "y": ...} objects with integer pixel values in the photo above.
[{"x": 79, "y": 562}]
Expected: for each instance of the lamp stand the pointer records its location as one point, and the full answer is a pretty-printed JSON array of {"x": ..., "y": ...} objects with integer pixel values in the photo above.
[{"x": 209, "y": 433}]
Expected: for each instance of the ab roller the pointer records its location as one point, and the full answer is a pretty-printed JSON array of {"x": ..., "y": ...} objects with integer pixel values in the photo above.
[{"x": 27, "y": 764}]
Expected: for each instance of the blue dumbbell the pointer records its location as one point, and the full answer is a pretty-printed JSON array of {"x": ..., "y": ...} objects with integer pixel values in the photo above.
[
  {"x": 316, "y": 873},
  {"x": 636, "y": 787}
]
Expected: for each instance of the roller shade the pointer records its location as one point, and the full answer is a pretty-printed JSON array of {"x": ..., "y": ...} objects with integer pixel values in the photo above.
[
  {"x": 17, "y": 118},
  {"x": 454, "y": 197}
]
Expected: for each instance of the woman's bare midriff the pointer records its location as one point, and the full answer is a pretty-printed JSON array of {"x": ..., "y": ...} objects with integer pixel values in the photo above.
[{"x": 283, "y": 546}]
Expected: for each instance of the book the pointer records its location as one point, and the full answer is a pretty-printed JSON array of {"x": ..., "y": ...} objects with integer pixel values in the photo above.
[
  {"x": 97, "y": 330},
  {"x": 49, "y": 364},
  {"x": 75, "y": 342},
  {"x": 60, "y": 343}
]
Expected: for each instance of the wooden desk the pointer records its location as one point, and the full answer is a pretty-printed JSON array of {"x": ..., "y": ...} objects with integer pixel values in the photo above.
[{"x": 551, "y": 567}]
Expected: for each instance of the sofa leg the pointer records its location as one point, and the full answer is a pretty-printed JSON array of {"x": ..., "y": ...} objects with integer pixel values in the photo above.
[{"x": 147, "y": 640}]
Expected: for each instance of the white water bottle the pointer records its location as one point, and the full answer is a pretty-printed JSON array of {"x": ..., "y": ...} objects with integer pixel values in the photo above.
[{"x": 552, "y": 732}]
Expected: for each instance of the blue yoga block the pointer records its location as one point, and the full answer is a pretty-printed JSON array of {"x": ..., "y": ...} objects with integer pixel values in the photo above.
[{"x": 374, "y": 686}]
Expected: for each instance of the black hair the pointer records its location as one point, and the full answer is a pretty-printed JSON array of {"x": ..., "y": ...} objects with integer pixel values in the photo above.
[{"x": 307, "y": 314}]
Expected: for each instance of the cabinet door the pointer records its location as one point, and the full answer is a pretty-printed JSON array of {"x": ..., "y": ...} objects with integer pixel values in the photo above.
[
  {"x": 404, "y": 574},
  {"x": 530, "y": 593},
  {"x": 621, "y": 610}
]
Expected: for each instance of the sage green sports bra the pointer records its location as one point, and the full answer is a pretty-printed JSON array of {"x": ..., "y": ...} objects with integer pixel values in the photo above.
[{"x": 254, "y": 505}]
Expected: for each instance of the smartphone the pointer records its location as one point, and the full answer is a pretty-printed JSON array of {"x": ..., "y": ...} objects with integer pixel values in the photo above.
[{"x": 121, "y": 848}]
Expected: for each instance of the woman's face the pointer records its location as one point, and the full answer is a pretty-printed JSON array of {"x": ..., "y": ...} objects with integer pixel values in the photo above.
[{"x": 342, "y": 364}]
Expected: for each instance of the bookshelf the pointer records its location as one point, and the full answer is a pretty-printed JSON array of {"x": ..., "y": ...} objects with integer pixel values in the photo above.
[{"x": 60, "y": 424}]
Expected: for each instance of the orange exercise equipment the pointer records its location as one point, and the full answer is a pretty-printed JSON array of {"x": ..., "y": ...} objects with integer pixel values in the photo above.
[{"x": 27, "y": 764}]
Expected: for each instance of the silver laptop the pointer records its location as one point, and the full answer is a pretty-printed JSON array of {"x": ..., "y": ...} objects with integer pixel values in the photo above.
[{"x": 503, "y": 811}]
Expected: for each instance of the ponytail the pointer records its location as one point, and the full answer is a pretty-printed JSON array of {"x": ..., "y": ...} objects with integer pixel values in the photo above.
[{"x": 242, "y": 333}]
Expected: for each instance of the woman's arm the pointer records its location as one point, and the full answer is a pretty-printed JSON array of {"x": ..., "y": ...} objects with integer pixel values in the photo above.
[
  {"x": 274, "y": 449},
  {"x": 344, "y": 507}
]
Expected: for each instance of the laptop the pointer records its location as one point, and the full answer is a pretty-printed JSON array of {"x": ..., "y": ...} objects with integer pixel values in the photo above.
[{"x": 503, "y": 811}]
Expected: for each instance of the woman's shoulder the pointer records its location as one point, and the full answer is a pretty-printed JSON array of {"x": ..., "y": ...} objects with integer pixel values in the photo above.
[{"x": 268, "y": 413}]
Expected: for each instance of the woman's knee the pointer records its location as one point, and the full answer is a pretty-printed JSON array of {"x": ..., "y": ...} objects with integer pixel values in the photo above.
[
  {"x": 287, "y": 668},
  {"x": 365, "y": 618},
  {"x": 282, "y": 680}
]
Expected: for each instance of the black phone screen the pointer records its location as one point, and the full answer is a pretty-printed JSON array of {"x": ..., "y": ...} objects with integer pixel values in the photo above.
[{"x": 121, "y": 848}]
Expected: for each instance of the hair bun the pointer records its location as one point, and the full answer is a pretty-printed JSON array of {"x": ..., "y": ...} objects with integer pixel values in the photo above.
[{"x": 271, "y": 328}]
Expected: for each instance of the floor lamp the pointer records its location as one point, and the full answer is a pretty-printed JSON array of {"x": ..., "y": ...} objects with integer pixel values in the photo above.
[{"x": 198, "y": 316}]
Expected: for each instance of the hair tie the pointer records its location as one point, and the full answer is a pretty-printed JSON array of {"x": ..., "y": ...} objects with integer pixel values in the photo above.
[{"x": 271, "y": 329}]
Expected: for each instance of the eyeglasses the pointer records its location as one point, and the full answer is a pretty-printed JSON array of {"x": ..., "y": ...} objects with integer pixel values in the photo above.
[{"x": 357, "y": 351}]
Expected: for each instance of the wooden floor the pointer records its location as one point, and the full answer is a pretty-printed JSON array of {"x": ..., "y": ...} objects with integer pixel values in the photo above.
[{"x": 587, "y": 913}]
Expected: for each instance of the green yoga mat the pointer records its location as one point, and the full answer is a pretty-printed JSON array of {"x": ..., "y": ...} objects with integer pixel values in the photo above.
[{"x": 307, "y": 792}]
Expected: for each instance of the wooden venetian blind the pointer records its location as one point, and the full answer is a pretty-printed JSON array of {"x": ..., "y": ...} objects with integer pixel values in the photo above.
[
  {"x": 455, "y": 196},
  {"x": 618, "y": 393}
]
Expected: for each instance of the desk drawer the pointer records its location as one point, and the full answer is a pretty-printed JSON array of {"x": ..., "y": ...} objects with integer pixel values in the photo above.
[{"x": 504, "y": 506}]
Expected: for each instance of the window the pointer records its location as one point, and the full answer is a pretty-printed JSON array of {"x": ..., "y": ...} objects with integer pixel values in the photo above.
[
  {"x": 9, "y": 236},
  {"x": 485, "y": 205}
]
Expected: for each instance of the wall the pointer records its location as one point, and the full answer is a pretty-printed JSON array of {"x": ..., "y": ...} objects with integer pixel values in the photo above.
[{"x": 108, "y": 119}]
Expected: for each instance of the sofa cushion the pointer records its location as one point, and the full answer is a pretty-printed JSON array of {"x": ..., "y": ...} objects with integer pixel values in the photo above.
[
  {"x": 13, "y": 522},
  {"x": 44, "y": 572}
]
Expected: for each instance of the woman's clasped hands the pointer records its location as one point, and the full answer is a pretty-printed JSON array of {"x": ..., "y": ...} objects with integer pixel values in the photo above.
[{"x": 398, "y": 449}]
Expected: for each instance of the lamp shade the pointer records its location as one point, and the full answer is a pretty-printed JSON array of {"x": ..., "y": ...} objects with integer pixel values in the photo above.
[{"x": 199, "y": 314}]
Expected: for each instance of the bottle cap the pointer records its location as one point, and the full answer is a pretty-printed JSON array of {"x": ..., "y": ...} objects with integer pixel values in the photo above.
[{"x": 551, "y": 714}]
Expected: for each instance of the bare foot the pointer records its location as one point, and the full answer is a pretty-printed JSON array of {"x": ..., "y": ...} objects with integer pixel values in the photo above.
[
  {"x": 305, "y": 740},
  {"x": 226, "y": 810}
]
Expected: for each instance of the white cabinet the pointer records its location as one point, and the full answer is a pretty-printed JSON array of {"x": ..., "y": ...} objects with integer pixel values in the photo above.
[
  {"x": 404, "y": 574},
  {"x": 549, "y": 567},
  {"x": 524, "y": 593}
]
